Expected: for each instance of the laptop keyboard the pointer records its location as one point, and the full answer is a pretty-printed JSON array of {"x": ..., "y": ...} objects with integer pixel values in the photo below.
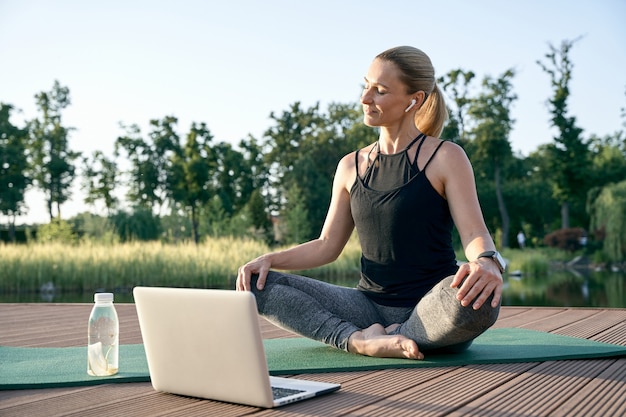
[{"x": 284, "y": 392}]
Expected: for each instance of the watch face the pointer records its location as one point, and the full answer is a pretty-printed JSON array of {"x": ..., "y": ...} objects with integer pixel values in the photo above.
[{"x": 500, "y": 260}]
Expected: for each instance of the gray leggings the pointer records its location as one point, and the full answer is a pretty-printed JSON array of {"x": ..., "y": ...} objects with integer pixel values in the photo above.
[{"x": 330, "y": 314}]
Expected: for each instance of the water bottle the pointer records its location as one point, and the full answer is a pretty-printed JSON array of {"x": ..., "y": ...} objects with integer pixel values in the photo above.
[{"x": 103, "y": 337}]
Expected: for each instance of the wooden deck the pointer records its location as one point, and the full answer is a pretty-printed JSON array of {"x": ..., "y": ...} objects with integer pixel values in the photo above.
[{"x": 557, "y": 388}]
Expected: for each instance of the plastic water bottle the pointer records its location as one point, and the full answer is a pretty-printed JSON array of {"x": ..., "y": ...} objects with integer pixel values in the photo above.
[{"x": 103, "y": 337}]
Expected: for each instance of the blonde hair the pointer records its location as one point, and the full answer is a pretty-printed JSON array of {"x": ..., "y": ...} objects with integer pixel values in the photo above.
[{"x": 418, "y": 74}]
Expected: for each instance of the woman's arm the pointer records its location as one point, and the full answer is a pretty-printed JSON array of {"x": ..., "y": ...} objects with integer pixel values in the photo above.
[
  {"x": 335, "y": 233},
  {"x": 479, "y": 278}
]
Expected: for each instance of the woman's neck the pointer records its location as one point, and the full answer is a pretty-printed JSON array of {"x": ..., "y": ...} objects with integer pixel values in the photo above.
[{"x": 392, "y": 141}]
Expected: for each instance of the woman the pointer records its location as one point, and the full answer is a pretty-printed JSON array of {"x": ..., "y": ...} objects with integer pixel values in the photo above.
[{"x": 403, "y": 194}]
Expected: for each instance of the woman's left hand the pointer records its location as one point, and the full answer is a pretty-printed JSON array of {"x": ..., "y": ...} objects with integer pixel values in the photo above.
[{"x": 480, "y": 279}]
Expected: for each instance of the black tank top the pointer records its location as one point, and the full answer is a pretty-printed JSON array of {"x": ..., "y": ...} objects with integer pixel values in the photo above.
[{"x": 404, "y": 227}]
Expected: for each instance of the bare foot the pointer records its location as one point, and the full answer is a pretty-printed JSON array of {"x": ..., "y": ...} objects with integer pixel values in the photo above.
[
  {"x": 391, "y": 327},
  {"x": 374, "y": 341}
]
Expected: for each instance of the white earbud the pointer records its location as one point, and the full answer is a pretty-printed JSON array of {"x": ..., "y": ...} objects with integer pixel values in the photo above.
[{"x": 410, "y": 105}]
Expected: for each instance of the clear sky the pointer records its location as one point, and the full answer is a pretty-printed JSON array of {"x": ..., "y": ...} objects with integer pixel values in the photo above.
[{"x": 231, "y": 63}]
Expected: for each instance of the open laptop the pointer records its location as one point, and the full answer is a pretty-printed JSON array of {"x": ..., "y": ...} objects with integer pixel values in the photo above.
[{"x": 207, "y": 344}]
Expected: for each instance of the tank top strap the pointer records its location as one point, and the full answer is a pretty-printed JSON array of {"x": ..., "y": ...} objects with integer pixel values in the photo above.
[
  {"x": 420, "y": 136},
  {"x": 419, "y": 147},
  {"x": 433, "y": 155}
]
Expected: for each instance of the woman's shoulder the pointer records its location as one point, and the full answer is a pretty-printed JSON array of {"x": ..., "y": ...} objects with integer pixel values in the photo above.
[
  {"x": 350, "y": 159},
  {"x": 449, "y": 151},
  {"x": 449, "y": 154}
]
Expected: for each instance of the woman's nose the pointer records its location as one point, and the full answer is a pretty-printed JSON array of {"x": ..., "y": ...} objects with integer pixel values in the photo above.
[{"x": 366, "y": 96}]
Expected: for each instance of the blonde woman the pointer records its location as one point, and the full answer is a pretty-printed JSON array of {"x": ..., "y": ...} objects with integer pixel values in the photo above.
[{"x": 403, "y": 194}]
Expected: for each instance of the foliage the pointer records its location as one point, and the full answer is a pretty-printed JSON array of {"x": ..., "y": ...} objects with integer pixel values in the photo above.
[
  {"x": 57, "y": 231},
  {"x": 189, "y": 175},
  {"x": 490, "y": 145},
  {"x": 52, "y": 165},
  {"x": 566, "y": 239},
  {"x": 13, "y": 167},
  {"x": 100, "y": 180},
  {"x": 140, "y": 225},
  {"x": 569, "y": 154},
  {"x": 294, "y": 216},
  {"x": 608, "y": 214},
  {"x": 259, "y": 217},
  {"x": 92, "y": 228},
  {"x": 305, "y": 147}
]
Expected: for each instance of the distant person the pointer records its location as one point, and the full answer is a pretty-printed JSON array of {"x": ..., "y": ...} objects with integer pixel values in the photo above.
[
  {"x": 521, "y": 240},
  {"x": 403, "y": 193}
]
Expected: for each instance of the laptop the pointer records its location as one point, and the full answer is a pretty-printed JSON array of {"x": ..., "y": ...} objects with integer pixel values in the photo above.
[{"x": 207, "y": 344}]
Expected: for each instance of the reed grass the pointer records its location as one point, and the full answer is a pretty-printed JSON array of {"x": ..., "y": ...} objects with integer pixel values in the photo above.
[
  {"x": 91, "y": 267},
  {"x": 88, "y": 267}
]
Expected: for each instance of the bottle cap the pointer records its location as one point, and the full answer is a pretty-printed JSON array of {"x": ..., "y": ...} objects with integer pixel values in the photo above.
[{"x": 105, "y": 297}]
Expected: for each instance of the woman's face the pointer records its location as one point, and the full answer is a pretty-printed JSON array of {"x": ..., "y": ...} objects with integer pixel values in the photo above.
[{"x": 384, "y": 97}]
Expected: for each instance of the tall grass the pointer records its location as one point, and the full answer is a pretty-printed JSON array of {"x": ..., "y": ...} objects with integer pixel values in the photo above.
[{"x": 90, "y": 267}]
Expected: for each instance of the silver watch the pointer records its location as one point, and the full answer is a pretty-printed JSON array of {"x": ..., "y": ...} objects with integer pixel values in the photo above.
[{"x": 496, "y": 257}]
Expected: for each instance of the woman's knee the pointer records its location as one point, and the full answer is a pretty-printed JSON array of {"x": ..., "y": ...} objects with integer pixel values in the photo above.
[{"x": 442, "y": 298}]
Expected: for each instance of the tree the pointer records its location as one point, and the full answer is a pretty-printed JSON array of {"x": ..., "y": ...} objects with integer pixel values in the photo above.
[
  {"x": 259, "y": 217},
  {"x": 13, "y": 168},
  {"x": 283, "y": 144},
  {"x": 569, "y": 154},
  {"x": 52, "y": 165},
  {"x": 232, "y": 178},
  {"x": 607, "y": 215},
  {"x": 304, "y": 149},
  {"x": 296, "y": 217},
  {"x": 492, "y": 114},
  {"x": 100, "y": 180},
  {"x": 149, "y": 161},
  {"x": 457, "y": 84},
  {"x": 190, "y": 174}
]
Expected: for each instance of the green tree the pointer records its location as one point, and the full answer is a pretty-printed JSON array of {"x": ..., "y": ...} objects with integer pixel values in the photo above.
[
  {"x": 149, "y": 161},
  {"x": 569, "y": 153},
  {"x": 295, "y": 217},
  {"x": 139, "y": 225},
  {"x": 304, "y": 149},
  {"x": 283, "y": 144},
  {"x": 529, "y": 198},
  {"x": 13, "y": 168},
  {"x": 232, "y": 178},
  {"x": 491, "y": 111},
  {"x": 457, "y": 84},
  {"x": 100, "y": 180},
  {"x": 259, "y": 216},
  {"x": 52, "y": 164},
  {"x": 607, "y": 215},
  {"x": 190, "y": 174},
  {"x": 57, "y": 230}
]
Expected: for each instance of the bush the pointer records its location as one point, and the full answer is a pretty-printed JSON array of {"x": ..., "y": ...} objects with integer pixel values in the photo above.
[
  {"x": 57, "y": 231},
  {"x": 566, "y": 239}
]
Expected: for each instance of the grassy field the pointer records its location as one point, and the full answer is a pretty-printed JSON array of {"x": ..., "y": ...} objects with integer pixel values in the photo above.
[
  {"x": 213, "y": 264},
  {"x": 87, "y": 267}
]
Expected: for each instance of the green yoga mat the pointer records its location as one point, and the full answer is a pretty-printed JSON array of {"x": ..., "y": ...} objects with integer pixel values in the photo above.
[{"x": 23, "y": 368}]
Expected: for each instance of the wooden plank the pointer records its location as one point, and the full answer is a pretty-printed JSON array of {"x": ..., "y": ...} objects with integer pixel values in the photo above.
[
  {"x": 463, "y": 384},
  {"x": 605, "y": 395},
  {"x": 560, "y": 388},
  {"x": 538, "y": 392}
]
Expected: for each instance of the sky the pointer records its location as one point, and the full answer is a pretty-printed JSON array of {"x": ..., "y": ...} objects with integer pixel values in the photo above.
[{"x": 231, "y": 63}]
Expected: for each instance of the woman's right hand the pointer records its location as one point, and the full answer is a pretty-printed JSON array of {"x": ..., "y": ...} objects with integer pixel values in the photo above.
[{"x": 260, "y": 266}]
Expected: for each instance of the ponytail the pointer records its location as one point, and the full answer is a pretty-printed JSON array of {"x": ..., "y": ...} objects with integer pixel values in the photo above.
[{"x": 433, "y": 114}]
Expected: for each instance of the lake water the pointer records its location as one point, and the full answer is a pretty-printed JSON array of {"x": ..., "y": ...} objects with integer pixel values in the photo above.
[{"x": 563, "y": 288}]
